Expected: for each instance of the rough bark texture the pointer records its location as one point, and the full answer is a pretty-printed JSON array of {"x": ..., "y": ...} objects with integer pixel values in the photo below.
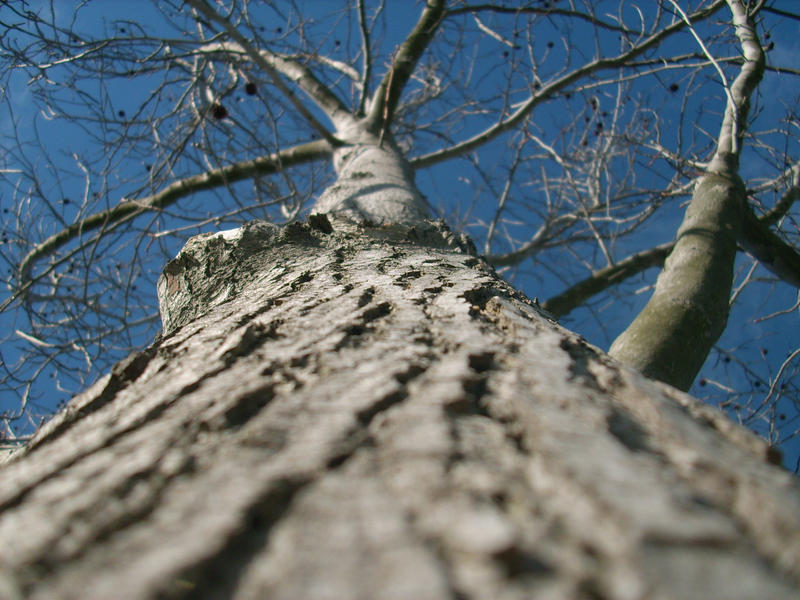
[{"x": 343, "y": 411}]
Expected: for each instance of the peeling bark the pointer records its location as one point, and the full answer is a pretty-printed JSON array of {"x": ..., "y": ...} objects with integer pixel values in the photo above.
[{"x": 352, "y": 411}]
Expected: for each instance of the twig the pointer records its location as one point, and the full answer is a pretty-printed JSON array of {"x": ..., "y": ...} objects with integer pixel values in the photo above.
[
  {"x": 548, "y": 91},
  {"x": 711, "y": 59},
  {"x": 366, "y": 55}
]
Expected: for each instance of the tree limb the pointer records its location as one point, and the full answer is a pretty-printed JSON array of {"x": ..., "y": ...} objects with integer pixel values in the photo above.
[
  {"x": 386, "y": 97},
  {"x": 756, "y": 238},
  {"x": 264, "y": 165},
  {"x": 549, "y": 90},
  {"x": 297, "y": 72},
  {"x": 262, "y": 62},
  {"x": 543, "y": 235},
  {"x": 769, "y": 249},
  {"x": 671, "y": 337},
  {"x": 705, "y": 50},
  {"x": 578, "y": 294},
  {"x": 550, "y": 11},
  {"x": 327, "y": 61},
  {"x": 782, "y": 13},
  {"x": 729, "y": 142},
  {"x": 365, "y": 53},
  {"x": 777, "y": 212}
]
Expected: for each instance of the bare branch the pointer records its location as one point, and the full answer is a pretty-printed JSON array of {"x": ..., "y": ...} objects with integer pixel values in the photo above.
[
  {"x": 578, "y": 294},
  {"x": 774, "y": 383},
  {"x": 783, "y": 13},
  {"x": 366, "y": 56},
  {"x": 261, "y": 61},
  {"x": 547, "y": 11},
  {"x": 491, "y": 33},
  {"x": 671, "y": 337},
  {"x": 729, "y": 142},
  {"x": 770, "y": 250},
  {"x": 386, "y": 97},
  {"x": 543, "y": 235},
  {"x": 706, "y": 52},
  {"x": 172, "y": 193},
  {"x": 297, "y": 72},
  {"x": 775, "y": 254},
  {"x": 786, "y": 201},
  {"x": 549, "y": 90}
]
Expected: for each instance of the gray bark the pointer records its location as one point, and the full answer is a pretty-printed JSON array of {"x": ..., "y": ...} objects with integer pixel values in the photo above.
[
  {"x": 357, "y": 411},
  {"x": 374, "y": 182}
]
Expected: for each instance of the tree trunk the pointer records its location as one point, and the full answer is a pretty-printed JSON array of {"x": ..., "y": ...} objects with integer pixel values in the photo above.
[
  {"x": 353, "y": 411},
  {"x": 671, "y": 337}
]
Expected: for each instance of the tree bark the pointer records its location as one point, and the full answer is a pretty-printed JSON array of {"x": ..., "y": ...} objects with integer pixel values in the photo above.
[
  {"x": 672, "y": 336},
  {"x": 374, "y": 182},
  {"x": 339, "y": 410}
]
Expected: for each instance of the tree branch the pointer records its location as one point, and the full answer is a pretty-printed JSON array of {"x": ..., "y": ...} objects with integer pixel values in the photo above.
[
  {"x": 578, "y": 294},
  {"x": 543, "y": 235},
  {"x": 729, "y": 143},
  {"x": 366, "y": 55},
  {"x": 541, "y": 11},
  {"x": 769, "y": 249},
  {"x": 782, "y": 13},
  {"x": 777, "y": 212},
  {"x": 552, "y": 88},
  {"x": 297, "y": 72},
  {"x": 264, "y": 165},
  {"x": 756, "y": 238},
  {"x": 703, "y": 47},
  {"x": 265, "y": 64},
  {"x": 327, "y": 61},
  {"x": 671, "y": 337},
  {"x": 386, "y": 97}
]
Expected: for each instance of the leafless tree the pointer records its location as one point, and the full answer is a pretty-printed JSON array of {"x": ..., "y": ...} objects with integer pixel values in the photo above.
[
  {"x": 565, "y": 137},
  {"x": 356, "y": 404}
]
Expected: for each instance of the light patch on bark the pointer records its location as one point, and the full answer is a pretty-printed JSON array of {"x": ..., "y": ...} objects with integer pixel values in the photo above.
[{"x": 375, "y": 183}]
